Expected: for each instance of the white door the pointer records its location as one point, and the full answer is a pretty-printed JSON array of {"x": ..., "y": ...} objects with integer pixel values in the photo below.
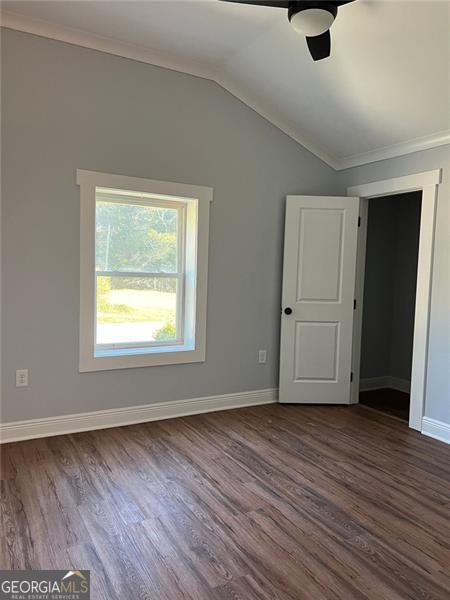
[{"x": 318, "y": 295}]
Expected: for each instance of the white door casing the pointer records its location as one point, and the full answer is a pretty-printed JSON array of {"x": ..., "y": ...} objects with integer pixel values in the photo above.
[
  {"x": 428, "y": 183},
  {"x": 318, "y": 286}
]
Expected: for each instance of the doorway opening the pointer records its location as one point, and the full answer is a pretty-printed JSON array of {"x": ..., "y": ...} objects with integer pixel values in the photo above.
[
  {"x": 427, "y": 183},
  {"x": 392, "y": 249}
]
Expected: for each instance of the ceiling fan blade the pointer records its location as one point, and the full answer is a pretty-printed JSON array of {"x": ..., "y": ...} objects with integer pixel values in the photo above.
[
  {"x": 282, "y": 4},
  {"x": 319, "y": 45}
]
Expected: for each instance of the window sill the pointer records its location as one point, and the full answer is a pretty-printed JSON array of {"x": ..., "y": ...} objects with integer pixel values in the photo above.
[
  {"x": 130, "y": 358},
  {"x": 145, "y": 350}
]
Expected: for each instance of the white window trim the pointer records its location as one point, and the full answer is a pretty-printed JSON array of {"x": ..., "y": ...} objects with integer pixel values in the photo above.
[{"x": 197, "y": 200}]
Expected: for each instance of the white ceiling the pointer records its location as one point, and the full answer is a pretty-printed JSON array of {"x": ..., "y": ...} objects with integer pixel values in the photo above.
[{"x": 384, "y": 91}]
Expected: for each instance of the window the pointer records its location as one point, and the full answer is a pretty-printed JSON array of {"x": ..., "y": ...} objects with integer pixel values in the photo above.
[{"x": 143, "y": 271}]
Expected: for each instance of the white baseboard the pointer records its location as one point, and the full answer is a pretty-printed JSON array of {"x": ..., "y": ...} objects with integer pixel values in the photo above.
[
  {"x": 436, "y": 429},
  {"x": 372, "y": 383},
  {"x": 402, "y": 385},
  {"x": 385, "y": 381},
  {"x": 102, "y": 419}
]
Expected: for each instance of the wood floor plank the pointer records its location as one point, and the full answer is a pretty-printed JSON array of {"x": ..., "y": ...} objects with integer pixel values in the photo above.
[{"x": 269, "y": 503}]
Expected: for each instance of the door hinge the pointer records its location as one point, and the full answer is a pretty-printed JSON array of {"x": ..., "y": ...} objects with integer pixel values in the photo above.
[
  {"x": 354, "y": 304},
  {"x": 359, "y": 221},
  {"x": 351, "y": 376}
]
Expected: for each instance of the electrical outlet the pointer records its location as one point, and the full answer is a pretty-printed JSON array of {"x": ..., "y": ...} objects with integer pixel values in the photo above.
[
  {"x": 22, "y": 378},
  {"x": 262, "y": 357}
]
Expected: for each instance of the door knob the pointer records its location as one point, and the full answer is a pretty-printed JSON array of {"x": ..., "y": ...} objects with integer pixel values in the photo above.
[{"x": 288, "y": 311}]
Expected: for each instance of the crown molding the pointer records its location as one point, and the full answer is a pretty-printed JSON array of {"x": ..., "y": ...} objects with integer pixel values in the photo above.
[
  {"x": 150, "y": 56},
  {"x": 77, "y": 37},
  {"x": 442, "y": 138},
  {"x": 275, "y": 118}
]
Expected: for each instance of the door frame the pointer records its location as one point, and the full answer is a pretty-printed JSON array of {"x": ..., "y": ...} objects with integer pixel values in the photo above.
[{"x": 427, "y": 182}]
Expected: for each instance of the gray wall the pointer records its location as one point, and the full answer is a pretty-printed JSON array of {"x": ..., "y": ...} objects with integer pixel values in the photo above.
[
  {"x": 405, "y": 279},
  {"x": 66, "y": 107},
  {"x": 378, "y": 291},
  {"x": 437, "y": 403},
  {"x": 390, "y": 286}
]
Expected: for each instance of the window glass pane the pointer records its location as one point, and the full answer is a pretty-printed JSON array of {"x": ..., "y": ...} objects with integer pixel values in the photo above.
[
  {"x": 138, "y": 238},
  {"x": 136, "y": 309}
]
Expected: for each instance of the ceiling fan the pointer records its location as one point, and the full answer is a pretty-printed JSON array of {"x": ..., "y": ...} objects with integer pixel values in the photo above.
[{"x": 312, "y": 19}]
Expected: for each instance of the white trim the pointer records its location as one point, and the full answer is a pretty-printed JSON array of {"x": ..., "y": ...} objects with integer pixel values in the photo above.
[
  {"x": 147, "y": 186},
  {"x": 1, "y": 257},
  {"x": 274, "y": 116},
  {"x": 427, "y": 182},
  {"x": 398, "y": 185},
  {"x": 151, "y": 56},
  {"x": 117, "y": 417},
  {"x": 423, "y": 306},
  {"x": 197, "y": 200},
  {"x": 436, "y": 429},
  {"x": 440, "y": 138},
  {"x": 402, "y": 385},
  {"x": 359, "y": 295},
  {"x": 372, "y": 383},
  {"x": 383, "y": 382},
  {"x": 78, "y": 37}
]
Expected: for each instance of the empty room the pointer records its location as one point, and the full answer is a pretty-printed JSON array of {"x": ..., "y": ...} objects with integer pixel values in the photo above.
[{"x": 225, "y": 300}]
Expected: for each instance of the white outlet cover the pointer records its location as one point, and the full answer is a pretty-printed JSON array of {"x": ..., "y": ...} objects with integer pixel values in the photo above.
[{"x": 22, "y": 378}]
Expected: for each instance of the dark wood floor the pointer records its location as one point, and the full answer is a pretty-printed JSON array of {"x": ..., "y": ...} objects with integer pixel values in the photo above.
[
  {"x": 391, "y": 402},
  {"x": 288, "y": 502}
]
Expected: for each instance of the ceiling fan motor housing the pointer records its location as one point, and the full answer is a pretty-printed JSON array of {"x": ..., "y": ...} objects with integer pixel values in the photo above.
[{"x": 311, "y": 17}]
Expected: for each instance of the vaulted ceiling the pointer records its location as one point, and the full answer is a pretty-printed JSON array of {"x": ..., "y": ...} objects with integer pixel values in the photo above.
[{"x": 384, "y": 91}]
